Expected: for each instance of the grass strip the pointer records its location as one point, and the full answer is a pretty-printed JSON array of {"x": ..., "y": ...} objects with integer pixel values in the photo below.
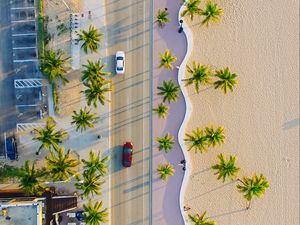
[
  {"x": 55, "y": 98},
  {"x": 41, "y": 27}
]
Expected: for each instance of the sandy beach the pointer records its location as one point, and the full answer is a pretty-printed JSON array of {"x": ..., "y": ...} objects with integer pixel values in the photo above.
[{"x": 260, "y": 42}]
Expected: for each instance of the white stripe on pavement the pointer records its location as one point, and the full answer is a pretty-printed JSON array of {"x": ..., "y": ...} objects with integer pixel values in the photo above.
[
  {"x": 28, "y": 34},
  {"x": 16, "y": 8},
  {"x": 22, "y": 21},
  {"x": 25, "y": 60},
  {"x": 24, "y": 47}
]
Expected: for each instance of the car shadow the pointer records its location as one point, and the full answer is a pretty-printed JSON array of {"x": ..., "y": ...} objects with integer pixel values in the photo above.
[{"x": 116, "y": 159}]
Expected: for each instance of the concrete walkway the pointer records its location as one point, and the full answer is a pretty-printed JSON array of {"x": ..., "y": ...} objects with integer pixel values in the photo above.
[
  {"x": 82, "y": 142},
  {"x": 166, "y": 210}
]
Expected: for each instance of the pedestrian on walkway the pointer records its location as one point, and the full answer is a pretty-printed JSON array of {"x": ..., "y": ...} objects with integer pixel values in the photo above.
[{"x": 186, "y": 208}]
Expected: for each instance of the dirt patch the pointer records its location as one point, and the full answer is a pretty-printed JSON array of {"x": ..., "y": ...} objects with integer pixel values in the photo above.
[{"x": 70, "y": 94}]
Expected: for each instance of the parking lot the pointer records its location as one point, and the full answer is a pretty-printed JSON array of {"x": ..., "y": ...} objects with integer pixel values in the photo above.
[
  {"x": 24, "y": 14},
  {"x": 28, "y": 41},
  {"x": 22, "y": 3},
  {"x": 25, "y": 70},
  {"x": 7, "y": 96},
  {"x": 23, "y": 94},
  {"x": 23, "y": 28}
]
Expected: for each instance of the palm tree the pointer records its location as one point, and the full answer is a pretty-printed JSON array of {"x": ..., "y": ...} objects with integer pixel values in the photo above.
[
  {"x": 53, "y": 64},
  {"x": 61, "y": 166},
  {"x": 96, "y": 92},
  {"x": 90, "y": 38},
  {"x": 95, "y": 164},
  {"x": 200, "y": 75},
  {"x": 94, "y": 215},
  {"x": 83, "y": 119},
  {"x": 169, "y": 91},
  {"x": 161, "y": 110},
  {"x": 93, "y": 72},
  {"x": 166, "y": 59},
  {"x": 31, "y": 180},
  {"x": 196, "y": 140},
  {"x": 201, "y": 220},
  {"x": 165, "y": 143},
  {"x": 255, "y": 186},
  {"x": 227, "y": 80},
  {"x": 215, "y": 137},
  {"x": 192, "y": 7},
  {"x": 226, "y": 168},
  {"x": 211, "y": 13},
  {"x": 48, "y": 136},
  {"x": 90, "y": 184},
  {"x": 162, "y": 17},
  {"x": 165, "y": 171}
]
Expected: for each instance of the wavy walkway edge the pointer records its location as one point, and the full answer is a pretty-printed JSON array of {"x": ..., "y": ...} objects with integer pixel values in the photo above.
[{"x": 188, "y": 107}]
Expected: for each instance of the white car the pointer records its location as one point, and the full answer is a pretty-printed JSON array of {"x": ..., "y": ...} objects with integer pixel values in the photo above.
[{"x": 120, "y": 62}]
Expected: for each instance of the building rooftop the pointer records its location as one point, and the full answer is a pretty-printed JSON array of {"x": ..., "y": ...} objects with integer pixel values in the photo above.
[
  {"x": 32, "y": 210},
  {"x": 21, "y": 213}
]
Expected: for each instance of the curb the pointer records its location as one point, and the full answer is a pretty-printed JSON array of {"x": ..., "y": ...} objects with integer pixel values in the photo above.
[{"x": 188, "y": 112}]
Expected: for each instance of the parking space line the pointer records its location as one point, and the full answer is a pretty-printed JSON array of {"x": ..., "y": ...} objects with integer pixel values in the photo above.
[
  {"x": 29, "y": 105},
  {"x": 25, "y": 34},
  {"x": 27, "y": 126},
  {"x": 22, "y": 21},
  {"x": 16, "y": 8},
  {"x": 24, "y": 47},
  {"x": 5, "y": 147},
  {"x": 28, "y": 83},
  {"x": 25, "y": 60}
]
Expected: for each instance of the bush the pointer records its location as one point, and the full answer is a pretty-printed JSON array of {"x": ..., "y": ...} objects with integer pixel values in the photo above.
[
  {"x": 43, "y": 36},
  {"x": 62, "y": 28},
  {"x": 8, "y": 172},
  {"x": 55, "y": 98}
]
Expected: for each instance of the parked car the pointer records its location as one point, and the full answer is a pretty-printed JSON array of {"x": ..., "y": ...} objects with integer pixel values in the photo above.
[
  {"x": 80, "y": 215},
  {"x": 127, "y": 154},
  {"x": 11, "y": 148},
  {"x": 120, "y": 62}
]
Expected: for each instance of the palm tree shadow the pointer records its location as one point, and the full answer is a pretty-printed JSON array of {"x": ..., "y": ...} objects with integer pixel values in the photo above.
[
  {"x": 203, "y": 90},
  {"x": 228, "y": 213},
  {"x": 201, "y": 171},
  {"x": 214, "y": 189}
]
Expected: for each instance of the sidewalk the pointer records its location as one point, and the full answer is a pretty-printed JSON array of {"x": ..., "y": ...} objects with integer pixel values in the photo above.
[
  {"x": 166, "y": 210},
  {"x": 93, "y": 12}
]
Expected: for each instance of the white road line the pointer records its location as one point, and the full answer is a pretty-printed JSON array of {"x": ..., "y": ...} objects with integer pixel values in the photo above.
[
  {"x": 5, "y": 147},
  {"x": 16, "y": 8},
  {"x": 24, "y": 47},
  {"x": 28, "y": 34},
  {"x": 27, "y": 105},
  {"x": 25, "y": 60},
  {"x": 22, "y": 21}
]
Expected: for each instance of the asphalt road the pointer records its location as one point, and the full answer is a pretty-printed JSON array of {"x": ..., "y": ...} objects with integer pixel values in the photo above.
[
  {"x": 7, "y": 99},
  {"x": 128, "y": 30}
]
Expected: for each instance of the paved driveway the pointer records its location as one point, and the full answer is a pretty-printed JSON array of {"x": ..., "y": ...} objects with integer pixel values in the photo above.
[{"x": 7, "y": 98}]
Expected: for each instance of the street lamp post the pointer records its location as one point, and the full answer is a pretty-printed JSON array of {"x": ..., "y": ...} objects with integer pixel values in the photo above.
[{"x": 180, "y": 28}]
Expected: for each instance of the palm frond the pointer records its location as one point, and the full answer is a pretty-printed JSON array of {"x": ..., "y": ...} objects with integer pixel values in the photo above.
[{"x": 169, "y": 91}]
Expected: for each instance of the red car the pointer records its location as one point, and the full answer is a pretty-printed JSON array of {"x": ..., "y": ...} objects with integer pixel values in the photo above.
[{"x": 127, "y": 154}]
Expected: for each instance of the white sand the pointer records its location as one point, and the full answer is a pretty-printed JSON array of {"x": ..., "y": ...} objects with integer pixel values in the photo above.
[{"x": 259, "y": 40}]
